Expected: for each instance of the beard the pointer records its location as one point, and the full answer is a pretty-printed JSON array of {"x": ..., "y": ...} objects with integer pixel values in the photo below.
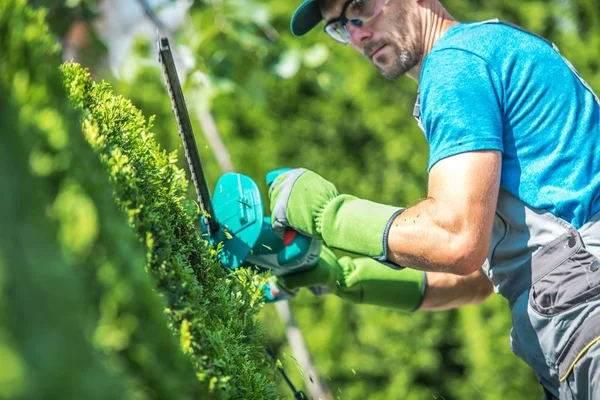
[
  {"x": 405, "y": 49},
  {"x": 395, "y": 62}
]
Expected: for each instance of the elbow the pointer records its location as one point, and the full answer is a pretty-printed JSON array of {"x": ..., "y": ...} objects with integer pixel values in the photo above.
[{"x": 467, "y": 255}]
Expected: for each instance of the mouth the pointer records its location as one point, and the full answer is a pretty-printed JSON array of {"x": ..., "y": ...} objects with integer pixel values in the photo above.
[{"x": 374, "y": 53}]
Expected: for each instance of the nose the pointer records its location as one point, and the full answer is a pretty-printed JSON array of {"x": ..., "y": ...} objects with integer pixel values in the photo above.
[{"x": 358, "y": 35}]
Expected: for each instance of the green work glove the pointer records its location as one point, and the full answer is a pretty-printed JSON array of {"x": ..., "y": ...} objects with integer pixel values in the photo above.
[
  {"x": 308, "y": 203},
  {"x": 362, "y": 281}
]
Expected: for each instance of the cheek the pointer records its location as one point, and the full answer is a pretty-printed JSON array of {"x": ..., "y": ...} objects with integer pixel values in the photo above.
[{"x": 406, "y": 28}]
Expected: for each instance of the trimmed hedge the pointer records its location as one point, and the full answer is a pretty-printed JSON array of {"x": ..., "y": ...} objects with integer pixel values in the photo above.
[{"x": 212, "y": 310}]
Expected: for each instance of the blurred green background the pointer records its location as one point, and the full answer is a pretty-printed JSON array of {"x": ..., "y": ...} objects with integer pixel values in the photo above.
[{"x": 277, "y": 101}]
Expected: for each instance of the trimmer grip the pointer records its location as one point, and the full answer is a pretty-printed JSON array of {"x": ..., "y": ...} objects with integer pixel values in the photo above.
[
  {"x": 295, "y": 246},
  {"x": 270, "y": 251},
  {"x": 292, "y": 253}
]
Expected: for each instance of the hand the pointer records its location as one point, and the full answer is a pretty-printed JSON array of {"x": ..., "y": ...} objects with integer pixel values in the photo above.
[
  {"x": 308, "y": 203},
  {"x": 298, "y": 199},
  {"x": 361, "y": 281}
]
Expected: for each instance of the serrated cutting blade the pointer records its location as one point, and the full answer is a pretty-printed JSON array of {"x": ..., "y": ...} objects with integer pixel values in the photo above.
[{"x": 184, "y": 125}]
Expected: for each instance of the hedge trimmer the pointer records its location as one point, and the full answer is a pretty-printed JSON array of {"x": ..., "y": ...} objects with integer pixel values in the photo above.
[{"x": 235, "y": 214}]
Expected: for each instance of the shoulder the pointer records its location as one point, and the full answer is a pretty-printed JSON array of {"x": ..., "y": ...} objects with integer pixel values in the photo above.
[
  {"x": 467, "y": 46},
  {"x": 487, "y": 37}
]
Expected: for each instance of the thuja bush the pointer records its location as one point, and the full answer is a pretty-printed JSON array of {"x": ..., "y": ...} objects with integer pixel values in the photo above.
[
  {"x": 79, "y": 318},
  {"x": 79, "y": 315},
  {"x": 210, "y": 310}
]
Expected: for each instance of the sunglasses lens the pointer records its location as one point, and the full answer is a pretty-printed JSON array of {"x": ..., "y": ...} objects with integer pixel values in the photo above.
[{"x": 338, "y": 32}]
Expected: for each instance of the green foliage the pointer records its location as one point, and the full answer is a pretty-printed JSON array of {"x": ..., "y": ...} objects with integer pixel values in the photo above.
[
  {"x": 79, "y": 316},
  {"x": 211, "y": 311},
  {"x": 278, "y": 101}
]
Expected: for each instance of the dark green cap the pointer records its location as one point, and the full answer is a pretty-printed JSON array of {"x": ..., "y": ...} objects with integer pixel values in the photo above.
[{"x": 306, "y": 17}]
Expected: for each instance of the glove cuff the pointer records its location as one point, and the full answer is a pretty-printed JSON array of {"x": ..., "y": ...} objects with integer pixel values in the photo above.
[{"x": 358, "y": 226}]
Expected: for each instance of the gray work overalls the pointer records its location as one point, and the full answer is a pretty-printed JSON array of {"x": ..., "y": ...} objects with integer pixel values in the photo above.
[{"x": 550, "y": 273}]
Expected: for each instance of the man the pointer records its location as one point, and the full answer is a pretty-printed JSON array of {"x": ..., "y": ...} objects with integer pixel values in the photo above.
[{"x": 513, "y": 200}]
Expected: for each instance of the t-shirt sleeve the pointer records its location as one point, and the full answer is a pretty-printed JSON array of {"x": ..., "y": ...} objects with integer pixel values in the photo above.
[{"x": 461, "y": 104}]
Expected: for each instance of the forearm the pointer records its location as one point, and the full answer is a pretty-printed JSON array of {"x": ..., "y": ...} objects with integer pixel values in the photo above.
[
  {"x": 433, "y": 236},
  {"x": 366, "y": 281},
  {"x": 362, "y": 281},
  {"x": 445, "y": 291},
  {"x": 426, "y": 238},
  {"x": 369, "y": 282},
  {"x": 451, "y": 230}
]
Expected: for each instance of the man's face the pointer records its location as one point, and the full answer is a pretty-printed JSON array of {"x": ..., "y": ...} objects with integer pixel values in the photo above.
[{"x": 391, "y": 40}]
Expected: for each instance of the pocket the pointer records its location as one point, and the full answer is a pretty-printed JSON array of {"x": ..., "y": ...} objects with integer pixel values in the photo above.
[
  {"x": 574, "y": 281},
  {"x": 576, "y": 362}
]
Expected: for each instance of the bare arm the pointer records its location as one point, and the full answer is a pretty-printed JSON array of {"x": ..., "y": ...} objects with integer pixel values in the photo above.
[
  {"x": 445, "y": 291},
  {"x": 451, "y": 230}
]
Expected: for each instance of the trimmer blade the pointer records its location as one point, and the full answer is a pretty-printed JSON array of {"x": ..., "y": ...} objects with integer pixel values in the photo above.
[{"x": 186, "y": 133}]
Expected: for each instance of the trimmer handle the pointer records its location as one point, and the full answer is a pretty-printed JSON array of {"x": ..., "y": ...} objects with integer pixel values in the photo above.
[{"x": 292, "y": 253}]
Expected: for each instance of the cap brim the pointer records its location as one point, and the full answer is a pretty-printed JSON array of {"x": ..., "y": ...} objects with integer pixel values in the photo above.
[{"x": 306, "y": 17}]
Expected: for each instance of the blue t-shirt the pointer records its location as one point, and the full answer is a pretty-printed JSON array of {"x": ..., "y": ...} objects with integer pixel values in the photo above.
[{"x": 490, "y": 86}]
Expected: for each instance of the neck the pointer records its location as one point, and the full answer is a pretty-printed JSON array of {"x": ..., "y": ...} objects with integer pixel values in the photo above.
[{"x": 435, "y": 21}]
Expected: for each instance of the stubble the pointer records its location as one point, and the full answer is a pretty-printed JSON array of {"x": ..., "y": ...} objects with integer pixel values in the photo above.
[{"x": 406, "y": 49}]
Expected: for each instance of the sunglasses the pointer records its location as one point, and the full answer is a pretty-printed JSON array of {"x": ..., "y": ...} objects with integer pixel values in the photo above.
[{"x": 355, "y": 12}]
